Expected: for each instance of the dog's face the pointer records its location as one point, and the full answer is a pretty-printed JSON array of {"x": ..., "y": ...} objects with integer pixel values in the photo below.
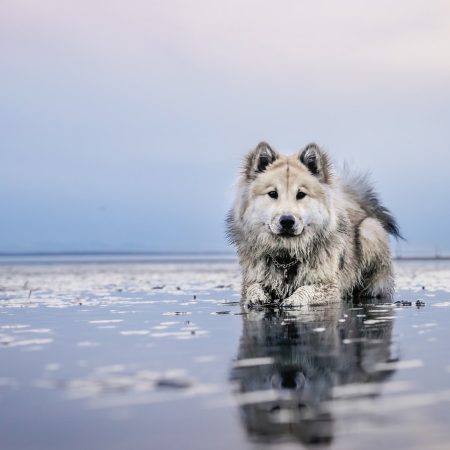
[{"x": 287, "y": 196}]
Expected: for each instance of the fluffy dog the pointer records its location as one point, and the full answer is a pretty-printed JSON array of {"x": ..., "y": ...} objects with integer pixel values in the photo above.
[{"x": 305, "y": 235}]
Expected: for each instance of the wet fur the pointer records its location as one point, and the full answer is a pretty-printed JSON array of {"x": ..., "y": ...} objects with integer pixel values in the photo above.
[{"x": 342, "y": 249}]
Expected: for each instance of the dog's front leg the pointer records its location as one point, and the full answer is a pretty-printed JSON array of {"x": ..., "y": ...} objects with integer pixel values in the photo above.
[
  {"x": 313, "y": 294},
  {"x": 254, "y": 295}
]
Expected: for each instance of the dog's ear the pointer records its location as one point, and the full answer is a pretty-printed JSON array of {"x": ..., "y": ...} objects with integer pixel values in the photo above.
[
  {"x": 317, "y": 162},
  {"x": 258, "y": 160}
]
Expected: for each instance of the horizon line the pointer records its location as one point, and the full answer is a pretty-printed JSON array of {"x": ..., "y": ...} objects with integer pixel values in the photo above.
[
  {"x": 114, "y": 253},
  {"x": 419, "y": 256}
]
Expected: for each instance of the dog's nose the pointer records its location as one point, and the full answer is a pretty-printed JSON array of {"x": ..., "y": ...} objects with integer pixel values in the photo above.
[{"x": 287, "y": 221}]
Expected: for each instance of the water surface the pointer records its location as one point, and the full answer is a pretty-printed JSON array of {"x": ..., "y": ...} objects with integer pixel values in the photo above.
[{"x": 159, "y": 355}]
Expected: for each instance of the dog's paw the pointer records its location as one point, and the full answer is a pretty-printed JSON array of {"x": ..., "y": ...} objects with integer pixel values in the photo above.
[
  {"x": 301, "y": 297},
  {"x": 255, "y": 295}
]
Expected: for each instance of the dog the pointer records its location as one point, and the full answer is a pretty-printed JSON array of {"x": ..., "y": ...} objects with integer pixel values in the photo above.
[{"x": 306, "y": 236}]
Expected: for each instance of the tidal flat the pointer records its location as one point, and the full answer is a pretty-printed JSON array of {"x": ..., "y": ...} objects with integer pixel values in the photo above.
[{"x": 160, "y": 355}]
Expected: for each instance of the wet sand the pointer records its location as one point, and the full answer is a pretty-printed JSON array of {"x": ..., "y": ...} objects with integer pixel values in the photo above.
[{"x": 161, "y": 356}]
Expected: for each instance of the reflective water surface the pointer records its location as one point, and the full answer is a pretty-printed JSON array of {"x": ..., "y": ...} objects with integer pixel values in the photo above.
[
  {"x": 304, "y": 360},
  {"x": 161, "y": 356}
]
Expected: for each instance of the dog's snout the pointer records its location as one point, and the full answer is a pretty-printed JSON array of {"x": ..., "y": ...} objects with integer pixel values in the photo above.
[{"x": 287, "y": 221}]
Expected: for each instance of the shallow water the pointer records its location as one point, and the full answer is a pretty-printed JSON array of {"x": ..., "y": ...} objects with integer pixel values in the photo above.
[{"x": 160, "y": 356}]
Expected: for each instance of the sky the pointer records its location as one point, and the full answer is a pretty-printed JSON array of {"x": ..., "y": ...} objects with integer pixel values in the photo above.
[{"x": 123, "y": 123}]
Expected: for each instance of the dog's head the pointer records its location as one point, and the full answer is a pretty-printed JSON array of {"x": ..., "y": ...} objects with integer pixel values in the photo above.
[{"x": 287, "y": 197}]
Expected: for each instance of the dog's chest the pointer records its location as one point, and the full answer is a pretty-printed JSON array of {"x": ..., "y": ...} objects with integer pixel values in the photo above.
[{"x": 282, "y": 279}]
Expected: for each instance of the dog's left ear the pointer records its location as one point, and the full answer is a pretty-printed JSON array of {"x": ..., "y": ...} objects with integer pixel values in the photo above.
[
  {"x": 258, "y": 160},
  {"x": 317, "y": 162}
]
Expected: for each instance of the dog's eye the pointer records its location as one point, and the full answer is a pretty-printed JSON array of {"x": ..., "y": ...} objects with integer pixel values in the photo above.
[
  {"x": 273, "y": 194},
  {"x": 300, "y": 195}
]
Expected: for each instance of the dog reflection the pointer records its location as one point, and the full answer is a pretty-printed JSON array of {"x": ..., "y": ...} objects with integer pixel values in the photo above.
[{"x": 289, "y": 362}]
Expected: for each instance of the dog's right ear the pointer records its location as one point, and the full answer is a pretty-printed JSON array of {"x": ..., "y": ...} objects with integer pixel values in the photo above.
[{"x": 258, "y": 160}]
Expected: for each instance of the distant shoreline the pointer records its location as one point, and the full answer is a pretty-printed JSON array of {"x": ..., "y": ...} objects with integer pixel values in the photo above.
[
  {"x": 146, "y": 256},
  {"x": 114, "y": 257},
  {"x": 112, "y": 253}
]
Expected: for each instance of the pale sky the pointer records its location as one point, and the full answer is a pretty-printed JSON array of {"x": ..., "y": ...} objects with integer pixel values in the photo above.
[{"x": 123, "y": 124}]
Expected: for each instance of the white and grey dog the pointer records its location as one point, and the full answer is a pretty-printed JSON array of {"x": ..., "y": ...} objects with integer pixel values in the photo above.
[{"x": 305, "y": 235}]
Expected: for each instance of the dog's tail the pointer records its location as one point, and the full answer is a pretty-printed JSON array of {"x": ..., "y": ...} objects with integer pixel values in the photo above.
[{"x": 358, "y": 186}]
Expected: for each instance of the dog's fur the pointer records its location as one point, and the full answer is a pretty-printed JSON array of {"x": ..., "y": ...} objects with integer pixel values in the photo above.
[{"x": 338, "y": 245}]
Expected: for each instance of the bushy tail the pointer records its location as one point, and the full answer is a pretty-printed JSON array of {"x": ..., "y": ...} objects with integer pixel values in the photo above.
[{"x": 358, "y": 186}]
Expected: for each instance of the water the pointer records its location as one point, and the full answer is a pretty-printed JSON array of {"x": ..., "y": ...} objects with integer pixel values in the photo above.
[{"x": 159, "y": 355}]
